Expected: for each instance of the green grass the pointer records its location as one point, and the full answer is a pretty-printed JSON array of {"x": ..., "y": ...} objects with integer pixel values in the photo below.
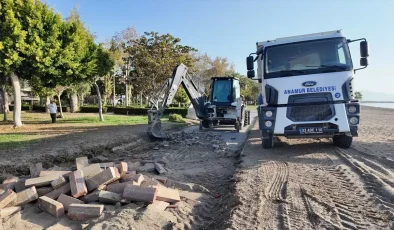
[
  {"x": 10, "y": 140},
  {"x": 251, "y": 107}
]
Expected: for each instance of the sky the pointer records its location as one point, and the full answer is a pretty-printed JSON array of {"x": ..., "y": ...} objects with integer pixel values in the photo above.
[{"x": 231, "y": 28}]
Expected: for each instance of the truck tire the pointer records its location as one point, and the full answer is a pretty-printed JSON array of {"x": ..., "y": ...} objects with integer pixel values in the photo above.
[
  {"x": 238, "y": 126},
  {"x": 268, "y": 143},
  {"x": 206, "y": 124},
  {"x": 342, "y": 141}
]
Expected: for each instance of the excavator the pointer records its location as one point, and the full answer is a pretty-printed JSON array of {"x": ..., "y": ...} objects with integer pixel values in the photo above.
[{"x": 223, "y": 104}]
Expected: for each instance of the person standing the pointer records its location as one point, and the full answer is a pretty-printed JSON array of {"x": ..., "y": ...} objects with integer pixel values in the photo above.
[{"x": 52, "y": 110}]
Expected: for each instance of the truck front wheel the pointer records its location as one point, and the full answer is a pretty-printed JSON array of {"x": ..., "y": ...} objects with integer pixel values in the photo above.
[
  {"x": 342, "y": 141},
  {"x": 268, "y": 142}
]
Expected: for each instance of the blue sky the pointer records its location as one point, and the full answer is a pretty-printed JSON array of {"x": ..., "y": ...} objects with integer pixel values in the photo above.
[{"x": 230, "y": 28}]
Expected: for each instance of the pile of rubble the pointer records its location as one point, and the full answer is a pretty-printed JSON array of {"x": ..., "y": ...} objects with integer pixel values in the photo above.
[{"x": 83, "y": 192}]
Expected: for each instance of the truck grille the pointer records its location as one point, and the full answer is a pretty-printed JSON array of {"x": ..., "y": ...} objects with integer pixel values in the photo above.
[{"x": 301, "y": 113}]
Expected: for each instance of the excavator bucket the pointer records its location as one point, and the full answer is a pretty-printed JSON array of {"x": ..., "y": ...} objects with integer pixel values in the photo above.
[{"x": 154, "y": 125}]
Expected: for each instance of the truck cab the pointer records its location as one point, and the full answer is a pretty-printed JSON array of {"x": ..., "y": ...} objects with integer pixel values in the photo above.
[{"x": 307, "y": 87}]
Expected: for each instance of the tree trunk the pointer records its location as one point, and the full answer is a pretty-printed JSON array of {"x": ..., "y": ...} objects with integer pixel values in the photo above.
[
  {"x": 6, "y": 102},
  {"x": 141, "y": 99},
  {"x": 74, "y": 102},
  {"x": 127, "y": 95},
  {"x": 47, "y": 102},
  {"x": 60, "y": 106},
  {"x": 114, "y": 94},
  {"x": 101, "y": 117},
  {"x": 17, "y": 100}
]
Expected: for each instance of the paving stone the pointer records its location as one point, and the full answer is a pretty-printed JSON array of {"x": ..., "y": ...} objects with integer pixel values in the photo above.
[
  {"x": 106, "y": 197},
  {"x": 77, "y": 184},
  {"x": 160, "y": 168},
  {"x": 91, "y": 170},
  {"x": 54, "y": 173},
  {"x": 168, "y": 195},
  {"x": 159, "y": 205},
  {"x": 65, "y": 189},
  {"x": 91, "y": 197},
  {"x": 68, "y": 200},
  {"x": 105, "y": 177},
  {"x": 84, "y": 211},
  {"x": 35, "y": 170},
  {"x": 44, "y": 190},
  {"x": 148, "y": 167},
  {"x": 41, "y": 181},
  {"x": 7, "y": 197},
  {"x": 26, "y": 196},
  {"x": 51, "y": 206},
  {"x": 122, "y": 167},
  {"x": 137, "y": 193},
  {"x": 59, "y": 182},
  {"x": 4, "y": 212},
  {"x": 138, "y": 178},
  {"x": 81, "y": 162}
]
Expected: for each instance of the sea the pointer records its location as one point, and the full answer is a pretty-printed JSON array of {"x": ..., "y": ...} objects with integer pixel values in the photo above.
[{"x": 380, "y": 105}]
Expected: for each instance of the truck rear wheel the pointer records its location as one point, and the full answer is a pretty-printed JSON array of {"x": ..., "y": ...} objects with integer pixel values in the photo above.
[
  {"x": 342, "y": 141},
  {"x": 268, "y": 143},
  {"x": 206, "y": 124},
  {"x": 247, "y": 118}
]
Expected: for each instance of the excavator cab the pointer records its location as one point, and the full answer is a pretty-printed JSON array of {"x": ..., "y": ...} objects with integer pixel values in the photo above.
[{"x": 224, "y": 91}]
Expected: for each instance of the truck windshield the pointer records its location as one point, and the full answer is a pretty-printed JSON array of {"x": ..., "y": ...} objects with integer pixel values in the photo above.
[{"x": 310, "y": 57}]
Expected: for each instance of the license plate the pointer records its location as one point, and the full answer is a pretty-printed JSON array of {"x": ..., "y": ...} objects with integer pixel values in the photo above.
[{"x": 310, "y": 130}]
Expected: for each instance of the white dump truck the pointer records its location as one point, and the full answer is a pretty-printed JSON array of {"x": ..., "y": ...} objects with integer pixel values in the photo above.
[{"x": 307, "y": 87}]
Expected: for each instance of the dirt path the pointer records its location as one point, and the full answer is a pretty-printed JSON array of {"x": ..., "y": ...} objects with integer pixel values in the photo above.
[
  {"x": 200, "y": 164},
  {"x": 309, "y": 184}
]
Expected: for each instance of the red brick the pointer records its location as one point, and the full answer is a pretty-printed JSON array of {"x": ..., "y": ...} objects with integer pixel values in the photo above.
[
  {"x": 68, "y": 200},
  {"x": 84, "y": 211},
  {"x": 137, "y": 193},
  {"x": 91, "y": 170},
  {"x": 65, "y": 189},
  {"x": 106, "y": 197},
  {"x": 168, "y": 195},
  {"x": 51, "y": 206},
  {"x": 4, "y": 212},
  {"x": 35, "y": 170},
  {"x": 81, "y": 162},
  {"x": 26, "y": 196},
  {"x": 122, "y": 167},
  {"x": 105, "y": 177},
  {"x": 59, "y": 182},
  {"x": 44, "y": 190},
  {"x": 6, "y": 198},
  {"x": 77, "y": 184},
  {"x": 132, "y": 177}
]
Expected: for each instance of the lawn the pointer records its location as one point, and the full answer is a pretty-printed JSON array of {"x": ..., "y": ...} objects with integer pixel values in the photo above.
[{"x": 37, "y": 126}]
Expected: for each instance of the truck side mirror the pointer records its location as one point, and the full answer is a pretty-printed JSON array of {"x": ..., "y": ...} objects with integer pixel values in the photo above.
[
  {"x": 364, "y": 61},
  {"x": 250, "y": 74},
  {"x": 364, "y": 49},
  {"x": 250, "y": 63}
]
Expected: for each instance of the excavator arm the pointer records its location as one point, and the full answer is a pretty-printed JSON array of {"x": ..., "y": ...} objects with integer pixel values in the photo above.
[{"x": 165, "y": 96}]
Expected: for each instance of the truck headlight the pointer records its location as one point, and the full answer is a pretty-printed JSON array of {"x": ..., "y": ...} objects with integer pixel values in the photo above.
[
  {"x": 268, "y": 124},
  {"x": 353, "y": 120},
  {"x": 352, "y": 109},
  {"x": 268, "y": 114}
]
